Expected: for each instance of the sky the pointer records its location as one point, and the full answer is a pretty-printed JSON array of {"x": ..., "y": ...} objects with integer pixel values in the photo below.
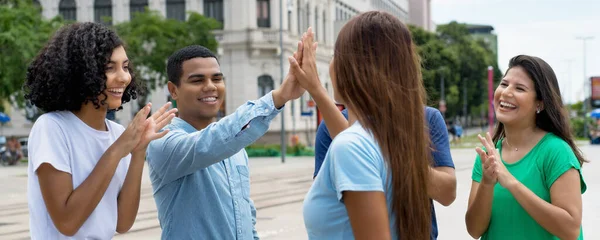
[{"x": 544, "y": 28}]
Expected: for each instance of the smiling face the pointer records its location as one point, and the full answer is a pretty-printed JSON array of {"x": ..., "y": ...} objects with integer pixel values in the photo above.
[
  {"x": 201, "y": 88},
  {"x": 117, "y": 78},
  {"x": 515, "y": 99}
]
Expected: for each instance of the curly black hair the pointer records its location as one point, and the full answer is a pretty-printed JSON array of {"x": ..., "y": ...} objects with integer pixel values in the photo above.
[{"x": 70, "y": 70}]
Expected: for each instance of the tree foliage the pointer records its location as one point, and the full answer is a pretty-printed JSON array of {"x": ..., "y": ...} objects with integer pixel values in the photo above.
[
  {"x": 453, "y": 55},
  {"x": 23, "y": 32}
]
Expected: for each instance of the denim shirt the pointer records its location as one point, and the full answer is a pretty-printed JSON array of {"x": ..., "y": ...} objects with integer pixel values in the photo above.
[{"x": 200, "y": 178}]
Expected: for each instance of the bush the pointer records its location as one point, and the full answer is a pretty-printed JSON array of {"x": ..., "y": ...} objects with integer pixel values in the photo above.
[{"x": 274, "y": 150}]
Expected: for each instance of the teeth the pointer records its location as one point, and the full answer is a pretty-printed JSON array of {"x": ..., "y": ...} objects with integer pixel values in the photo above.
[
  {"x": 209, "y": 99},
  {"x": 505, "y": 104},
  {"x": 116, "y": 90}
]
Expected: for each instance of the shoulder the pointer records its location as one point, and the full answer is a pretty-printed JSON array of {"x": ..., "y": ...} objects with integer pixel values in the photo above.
[
  {"x": 354, "y": 139},
  {"x": 555, "y": 144},
  {"x": 118, "y": 128}
]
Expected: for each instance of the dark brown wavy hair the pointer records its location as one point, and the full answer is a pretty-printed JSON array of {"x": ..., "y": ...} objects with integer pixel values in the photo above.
[
  {"x": 554, "y": 117},
  {"x": 378, "y": 76}
]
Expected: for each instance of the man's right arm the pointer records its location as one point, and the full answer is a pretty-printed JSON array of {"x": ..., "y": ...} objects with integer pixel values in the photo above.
[{"x": 179, "y": 153}]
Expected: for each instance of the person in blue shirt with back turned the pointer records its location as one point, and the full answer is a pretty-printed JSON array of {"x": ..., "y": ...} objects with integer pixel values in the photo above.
[
  {"x": 443, "y": 180},
  {"x": 199, "y": 170}
]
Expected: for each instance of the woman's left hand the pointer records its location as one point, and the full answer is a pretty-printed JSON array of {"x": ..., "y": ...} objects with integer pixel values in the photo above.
[{"x": 505, "y": 178}]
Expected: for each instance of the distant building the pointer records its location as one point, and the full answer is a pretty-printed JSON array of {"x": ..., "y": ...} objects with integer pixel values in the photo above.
[{"x": 485, "y": 33}]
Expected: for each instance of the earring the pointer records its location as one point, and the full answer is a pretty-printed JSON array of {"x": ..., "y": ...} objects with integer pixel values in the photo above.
[{"x": 538, "y": 111}]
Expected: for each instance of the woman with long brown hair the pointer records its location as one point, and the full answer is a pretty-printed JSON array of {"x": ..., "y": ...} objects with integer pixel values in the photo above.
[
  {"x": 527, "y": 183},
  {"x": 373, "y": 182}
]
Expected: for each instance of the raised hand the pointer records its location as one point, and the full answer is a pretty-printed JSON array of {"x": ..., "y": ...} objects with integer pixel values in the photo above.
[
  {"x": 488, "y": 168},
  {"x": 290, "y": 87},
  {"x": 305, "y": 68},
  {"x": 141, "y": 130},
  {"x": 156, "y": 122},
  {"x": 505, "y": 178}
]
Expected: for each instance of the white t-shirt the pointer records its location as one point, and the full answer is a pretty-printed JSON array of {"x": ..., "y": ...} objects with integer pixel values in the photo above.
[{"x": 69, "y": 145}]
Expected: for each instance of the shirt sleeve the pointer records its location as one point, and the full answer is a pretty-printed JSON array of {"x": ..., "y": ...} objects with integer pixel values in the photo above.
[
  {"x": 353, "y": 166},
  {"x": 477, "y": 171},
  {"x": 322, "y": 142},
  {"x": 48, "y": 144},
  {"x": 439, "y": 139},
  {"x": 561, "y": 159}
]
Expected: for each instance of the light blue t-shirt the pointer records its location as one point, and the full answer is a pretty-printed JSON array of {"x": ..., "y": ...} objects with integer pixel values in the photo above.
[{"x": 354, "y": 162}]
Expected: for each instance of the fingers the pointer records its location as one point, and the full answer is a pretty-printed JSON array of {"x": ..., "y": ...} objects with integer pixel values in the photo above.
[
  {"x": 160, "y": 134},
  {"x": 166, "y": 115},
  {"x": 142, "y": 114},
  {"x": 161, "y": 111},
  {"x": 165, "y": 121},
  {"x": 482, "y": 155},
  {"x": 300, "y": 50},
  {"x": 485, "y": 143},
  {"x": 295, "y": 67}
]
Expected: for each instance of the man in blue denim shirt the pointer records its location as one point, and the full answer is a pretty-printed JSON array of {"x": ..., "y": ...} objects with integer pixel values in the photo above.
[
  {"x": 199, "y": 170},
  {"x": 443, "y": 180}
]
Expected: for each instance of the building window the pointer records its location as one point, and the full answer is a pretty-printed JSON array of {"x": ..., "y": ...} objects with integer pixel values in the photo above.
[
  {"x": 299, "y": 13},
  {"x": 137, "y": 6},
  {"x": 176, "y": 9},
  {"x": 263, "y": 14},
  {"x": 307, "y": 18},
  {"x": 265, "y": 85},
  {"x": 68, "y": 9},
  {"x": 214, "y": 9},
  {"x": 316, "y": 24},
  {"x": 324, "y": 26},
  {"x": 290, "y": 21},
  {"x": 103, "y": 11}
]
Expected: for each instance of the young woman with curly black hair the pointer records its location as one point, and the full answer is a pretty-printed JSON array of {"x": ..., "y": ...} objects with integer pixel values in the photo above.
[{"x": 85, "y": 171}]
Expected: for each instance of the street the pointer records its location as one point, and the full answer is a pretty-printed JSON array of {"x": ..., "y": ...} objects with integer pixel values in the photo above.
[{"x": 278, "y": 191}]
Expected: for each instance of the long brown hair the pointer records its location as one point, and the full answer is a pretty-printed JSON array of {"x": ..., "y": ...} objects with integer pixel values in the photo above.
[
  {"x": 554, "y": 117},
  {"x": 378, "y": 76}
]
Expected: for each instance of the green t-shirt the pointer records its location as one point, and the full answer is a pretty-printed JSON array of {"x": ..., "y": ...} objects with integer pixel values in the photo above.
[{"x": 537, "y": 170}]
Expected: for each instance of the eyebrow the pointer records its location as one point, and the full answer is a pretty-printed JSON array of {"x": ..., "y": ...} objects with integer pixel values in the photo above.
[
  {"x": 199, "y": 75},
  {"x": 518, "y": 84},
  {"x": 113, "y": 62}
]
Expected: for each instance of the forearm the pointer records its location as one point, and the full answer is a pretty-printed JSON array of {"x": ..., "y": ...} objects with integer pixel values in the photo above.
[
  {"x": 84, "y": 199},
  {"x": 129, "y": 196},
  {"x": 480, "y": 210},
  {"x": 336, "y": 122},
  {"x": 442, "y": 186},
  {"x": 552, "y": 218}
]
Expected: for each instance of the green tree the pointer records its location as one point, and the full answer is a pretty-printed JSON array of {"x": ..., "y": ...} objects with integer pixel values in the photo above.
[
  {"x": 453, "y": 55},
  {"x": 151, "y": 38},
  {"x": 23, "y": 32}
]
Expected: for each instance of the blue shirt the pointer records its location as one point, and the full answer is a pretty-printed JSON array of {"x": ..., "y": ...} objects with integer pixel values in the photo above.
[
  {"x": 354, "y": 163},
  {"x": 438, "y": 134},
  {"x": 201, "y": 179}
]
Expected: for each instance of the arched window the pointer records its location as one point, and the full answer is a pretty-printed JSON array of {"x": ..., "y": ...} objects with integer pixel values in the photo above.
[
  {"x": 176, "y": 9},
  {"x": 68, "y": 9},
  {"x": 265, "y": 85},
  {"x": 103, "y": 11},
  {"x": 214, "y": 9},
  {"x": 137, "y": 6}
]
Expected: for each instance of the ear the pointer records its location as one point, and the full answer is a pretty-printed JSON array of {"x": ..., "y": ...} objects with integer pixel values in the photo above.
[
  {"x": 540, "y": 106},
  {"x": 172, "y": 90}
]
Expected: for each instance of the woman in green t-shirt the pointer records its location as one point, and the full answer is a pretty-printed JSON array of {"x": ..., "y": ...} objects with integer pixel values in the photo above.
[{"x": 527, "y": 182}]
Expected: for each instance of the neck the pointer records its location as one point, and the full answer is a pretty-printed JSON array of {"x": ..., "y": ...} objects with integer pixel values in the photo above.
[
  {"x": 352, "y": 118},
  {"x": 93, "y": 117},
  {"x": 197, "y": 123},
  {"x": 518, "y": 137}
]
